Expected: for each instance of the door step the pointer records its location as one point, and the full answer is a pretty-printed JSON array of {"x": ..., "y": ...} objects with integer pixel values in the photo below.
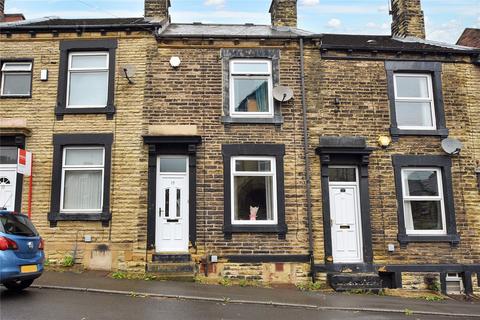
[
  {"x": 171, "y": 257},
  {"x": 355, "y": 281},
  {"x": 175, "y": 267}
]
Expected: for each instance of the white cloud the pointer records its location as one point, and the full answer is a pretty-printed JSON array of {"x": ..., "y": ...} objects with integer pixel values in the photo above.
[
  {"x": 383, "y": 9},
  {"x": 378, "y": 26},
  {"x": 334, "y": 23},
  {"x": 309, "y": 3},
  {"x": 220, "y": 16},
  {"x": 218, "y": 3},
  {"x": 444, "y": 32}
]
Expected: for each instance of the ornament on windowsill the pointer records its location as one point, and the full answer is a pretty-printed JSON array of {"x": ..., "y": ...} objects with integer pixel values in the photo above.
[{"x": 253, "y": 213}]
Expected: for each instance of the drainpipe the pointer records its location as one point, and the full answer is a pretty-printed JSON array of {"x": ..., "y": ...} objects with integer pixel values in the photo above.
[{"x": 307, "y": 164}]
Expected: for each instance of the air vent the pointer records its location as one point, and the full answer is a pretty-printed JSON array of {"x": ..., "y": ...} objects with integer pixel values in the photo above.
[{"x": 454, "y": 283}]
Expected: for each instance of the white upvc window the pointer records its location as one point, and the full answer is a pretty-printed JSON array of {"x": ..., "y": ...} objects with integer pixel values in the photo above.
[
  {"x": 16, "y": 79},
  {"x": 87, "y": 80},
  {"x": 253, "y": 190},
  {"x": 414, "y": 101},
  {"x": 82, "y": 179},
  {"x": 251, "y": 88},
  {"x": 423, "y": 198}
]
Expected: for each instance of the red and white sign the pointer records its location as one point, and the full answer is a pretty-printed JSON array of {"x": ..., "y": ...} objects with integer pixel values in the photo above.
[{"x": 24, "y": 162}]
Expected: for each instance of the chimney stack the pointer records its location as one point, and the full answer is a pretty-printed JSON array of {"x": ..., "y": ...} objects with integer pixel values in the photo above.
[
  {"x": 284, "y": 13},
  {"x": 2, "y": 9},
  {"x": 408, "y": 19},
  {"x": 156, "y": 10}
]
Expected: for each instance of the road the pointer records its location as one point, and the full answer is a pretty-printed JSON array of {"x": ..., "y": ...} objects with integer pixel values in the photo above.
[{"x": 45, "y": 304}]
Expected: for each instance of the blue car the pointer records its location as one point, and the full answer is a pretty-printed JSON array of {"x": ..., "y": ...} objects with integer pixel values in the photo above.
[{"x": 21, "y": 251}]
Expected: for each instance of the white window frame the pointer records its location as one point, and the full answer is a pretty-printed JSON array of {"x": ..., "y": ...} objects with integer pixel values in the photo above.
[
  {"x": 409, "y": 227},
  {"x": 87, "y": 70},
  {"x": 272, "y": 173},
  {"x": 82, "y": 168},
  {"x": 19, "y": 71},
  {"x": 430, "y": 99},
  {"x": 251, "y": 75}
]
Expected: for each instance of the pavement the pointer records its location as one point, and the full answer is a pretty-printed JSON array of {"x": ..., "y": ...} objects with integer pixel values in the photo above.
[{"x": 98, "y": 282}]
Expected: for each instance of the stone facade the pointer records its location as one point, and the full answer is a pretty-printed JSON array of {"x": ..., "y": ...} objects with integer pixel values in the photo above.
[
  {"x": 123, "y": 239},
  {"x": 192, "y": 94},
  {"x": 360, "y": 84}
]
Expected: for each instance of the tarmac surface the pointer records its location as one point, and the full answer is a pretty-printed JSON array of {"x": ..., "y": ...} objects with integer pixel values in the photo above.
[
  {"x": 93, "y": 295},
  {"x": 41, "y": 304}
]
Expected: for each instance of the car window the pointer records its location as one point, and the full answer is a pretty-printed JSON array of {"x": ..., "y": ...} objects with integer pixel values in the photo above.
[{"x": 18, "y": 225}]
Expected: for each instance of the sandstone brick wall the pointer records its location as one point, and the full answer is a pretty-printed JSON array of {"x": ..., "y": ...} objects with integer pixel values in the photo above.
[
  {"x": 192, "y": 94},
  {"x": 128, "y": 201},
  {"x": 361, "y": 86}
]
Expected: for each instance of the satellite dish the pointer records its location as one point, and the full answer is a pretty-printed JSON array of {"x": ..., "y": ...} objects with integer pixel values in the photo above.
[
  {"x": 127, "y": 71},
  {"x": 451, "y": 146},
  {"x": 282, "y": 93}
]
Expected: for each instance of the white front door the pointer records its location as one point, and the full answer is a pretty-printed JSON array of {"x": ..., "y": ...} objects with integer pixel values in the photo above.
[
  {"x": 8, "y": 182},
  {"x": 345, "y": 215},
  {"x": 172, "y": 204}
]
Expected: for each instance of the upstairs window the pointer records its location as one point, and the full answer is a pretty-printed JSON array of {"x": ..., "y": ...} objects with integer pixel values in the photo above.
[
  {"x": 253, "y": 190},
  {"x": 414, "y": 103},
  {"x": 416, "y": 99},
  {"x": 88, "y": 74},
  {"x": 82, "y": 179},
  {"x": 251, "y": 88},
  {"x": 86, "y": 80},
  {"x": 16, "y": 79},
  {"x": 424, "y": 206}
]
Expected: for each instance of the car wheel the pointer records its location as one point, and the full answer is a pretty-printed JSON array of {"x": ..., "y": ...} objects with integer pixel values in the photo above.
[{"x": 17, "y": 285}]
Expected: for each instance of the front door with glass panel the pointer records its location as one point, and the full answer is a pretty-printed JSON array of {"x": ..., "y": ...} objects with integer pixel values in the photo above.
[
  {"x": 345, "y": 215},
  {"x": 172, "y": 204},
  {"x": 8, "y": 177}
]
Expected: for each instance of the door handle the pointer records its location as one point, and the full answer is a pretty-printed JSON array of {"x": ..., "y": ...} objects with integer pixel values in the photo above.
[
  {"x": 159, "y": 212},
  {"x": 172, "y": 220},
  {"x": 345, "y": 227}
]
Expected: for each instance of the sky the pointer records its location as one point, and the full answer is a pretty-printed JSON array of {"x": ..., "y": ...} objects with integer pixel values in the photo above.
[{"x": 445, "y": 19}]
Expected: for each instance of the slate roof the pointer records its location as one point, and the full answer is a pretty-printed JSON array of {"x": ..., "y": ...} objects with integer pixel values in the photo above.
[
  {"x": 470, "y": 37},
  {"x": 387, "y": 43},
  {"x": 248, "y": 30},
  {"x": 47, "y": 23},
  {"x": 231, "y": 30}
]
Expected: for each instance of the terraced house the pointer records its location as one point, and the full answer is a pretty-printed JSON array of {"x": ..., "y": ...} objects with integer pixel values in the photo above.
[{"x": 258, "y": 152}]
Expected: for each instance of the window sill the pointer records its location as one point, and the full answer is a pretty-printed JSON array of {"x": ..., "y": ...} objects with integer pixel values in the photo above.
[
  {"x": 453, "y": 239},
  {"x": 27, "y": 96},
  {"x": 109, "y": 111},
  {"x": 276, "y": 120},
  {"x": 396, "y": 132},
  {"x": 281, "y": 230},
  {"x": 104, "y": 217}
]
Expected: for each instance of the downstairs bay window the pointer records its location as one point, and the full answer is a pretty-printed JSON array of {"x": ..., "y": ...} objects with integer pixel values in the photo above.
[{"x": 254, "y": 196}]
